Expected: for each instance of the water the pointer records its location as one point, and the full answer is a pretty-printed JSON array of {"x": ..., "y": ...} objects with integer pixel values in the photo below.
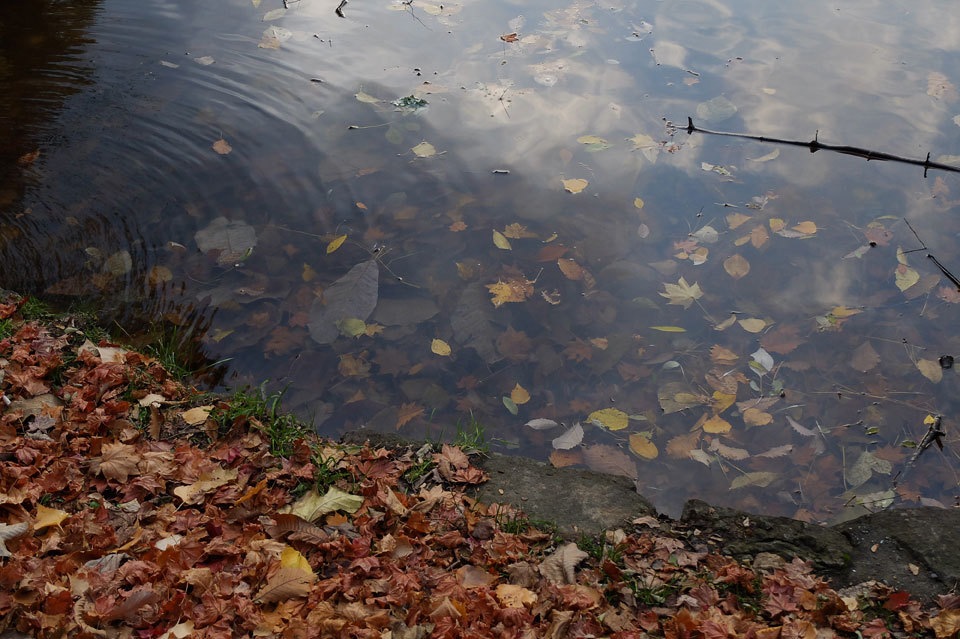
[{"x": 196, "y": 160}]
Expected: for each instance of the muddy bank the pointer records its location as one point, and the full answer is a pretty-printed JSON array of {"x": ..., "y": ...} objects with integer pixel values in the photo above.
[{"x": 911, "y": 549}]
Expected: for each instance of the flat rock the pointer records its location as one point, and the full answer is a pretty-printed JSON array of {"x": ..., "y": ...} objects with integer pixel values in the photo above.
[
  {"x": 924, "y": 537},
  {"x": 745, "y": 535}
]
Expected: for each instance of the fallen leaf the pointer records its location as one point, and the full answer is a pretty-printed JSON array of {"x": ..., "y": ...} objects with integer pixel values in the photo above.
[
  {"x": 570, "y": 439},
  {"x": 752, "y": 324},
  {"x": 519, "y": 395},
  {"x": 761, "y": 479},
  {"x": 353, "y": 296},
  {"x": 440, "y": 347},
  {"x": 609, "y": 418},
  {"x": 681, "y": 293},
  {"x": 773, "y": 155},
  {"x": 408, "y": 412},
  {"x": 207, "y": 482},
  {"x": 637, "y": 203},
  {"x": 312, "y": 504},
  {"x": 931, "y": 369},
  {"x": 570, "y": 269},
  {"x": 736, "y": 219},
  {"x": 509, "y": 37},
  {"x": 608, "y": 459},
  {"x": 517, "y": 231},
  {"x": 11, "y": 531},
  {"x": 501, "y": 242},
  {"x": 736, "y": 266},
  {"x": 48, "y": 517},
  {"x": 336, "y": 243},
  {"x": 575, "y": 185},
  {"x": 512, "y": 596},
  {"x": 807, "y": 228},
  {"x": 756, "y": 417},
  {"x": 642, "y": 446},
  {"x": 716, "y": 424},
  {"x": 424, "y": 150},
  {"x": 287, "y": 583},
  {"x": 564, "y": 458},
  {"x": 905, "y": 277},
  {"x": 561, "y": 565},
  {"x": 118, "y": 461},
  {"x": 222, "y": 147},
  {"x": 865, "y": 358},
  {"x": 515, "y": 289},
  {"x": 364, "y": 97},
  {"x": 510, "y": 405},
  {"x": 542, "y": 424}
]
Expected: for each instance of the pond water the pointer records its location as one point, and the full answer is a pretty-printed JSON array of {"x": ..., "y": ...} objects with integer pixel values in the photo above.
[{"x": 423, "y": 210}]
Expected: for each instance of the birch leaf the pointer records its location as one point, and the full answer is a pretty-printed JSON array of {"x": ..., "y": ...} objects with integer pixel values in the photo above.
[{"x": 570, "y": 439}]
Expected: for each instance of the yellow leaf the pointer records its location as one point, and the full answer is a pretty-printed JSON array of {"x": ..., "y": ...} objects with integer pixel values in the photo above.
[
  {"x": 600, "y": 342},
  {"x": 929, "y": 419},
  {"x": 756, "y": 417},
  {"x": 424, "y": 150},
  {"x": 776, "y": 224},
  {"x": 637, "y": 202},
  {"x": 575, "y": 185},
  {"x": 752, "y": 324},
  {"x": 519, "y": 395},
  {"x": 736, "y": 266},
  {"x": 590, "y": 139},
  {"x": 759, "y": 236},
  {"x": 196, "y": 415},
  {"x": 335, "y": 244},
  {"x": 609, "y": 418},
  {"x": 681, "y": 293},
  {"x": 806, "y": 227},
  {"x": 716, "y": 424},
  {"x": 669, "y": 329},
  {"x": 512, "y": 596},
  {"x": 905, "y": 277},
  {"x": 643, "y": 447},
  {"x": 740, "y": 241},
  {"x": 290, "y": 558},
  {"x": 931, "y": 369},
  {"x": 843, "y": 311},
  {"x": 48, "y": 517},
  {"x": 501, "y": 242},
  {"x": 222, "y": 147},
  {"x": 308, "y": 273},
  {"x": 516, "y": 231},
  {"x": 515, "y": 289},
  {"x": 722, "y": 401},
  {"x": 440, "y": 347},
  {"x": 373, "y": 329},
  {"x": 736, "y": 219}
]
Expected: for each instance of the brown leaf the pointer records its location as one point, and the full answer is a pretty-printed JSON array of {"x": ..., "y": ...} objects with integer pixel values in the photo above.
[
  {"x": 864, "y": 358},
  {"x": 118, "y": 461},
  {"x": 509, "y": 37},
  {"x": 561, "y": 566},
  {"x": 408, "y": 412},
  {"x": 288, "y": 582},
  {"x": 782, "y": 340},
  {"x": 570, "y": 269},
  {"x": 607, "y": 459}
]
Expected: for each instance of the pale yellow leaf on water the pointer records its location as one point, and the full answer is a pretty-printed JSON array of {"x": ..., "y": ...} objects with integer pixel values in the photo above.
[
  {"x": 722, "y": 401},
  {"x": 424, "y": 150},
  {"x": 336, "y": 243},
  {"x": 519, "y": 395},
  {"x": 756, "y": 417},
  {"x": 931, "y": 369},
  {"x": 681, "y": 293},
  {"x": 758, "y": 236},
  {"x": 669, "y": 329},
  {"x": 222, "y": 147},
  {"x": 440, "y": 347},
  {"x": 807, "y": 227},
  {"x": 725, "y": 324},
  {"x": 905, "y": 277},
  {"x": 736, "y": 266},
  {"x": 637, "y": 202},
  {"x": 363, "y": 97},
  {"x": 48, "y": 517},
  {"x": 290, "y": 558},
  {"x": 643, "y": 447},
  {"x": 196, "y": 415},
  {"x": 590, "y": 139},
  {"x": 740, "y": 241},
  {"x": 736, "y": 219},
  {"x": 901, "y": 256},
  {"x": 716, "y": 424},
  {"x": 575, "y": 185},
  {"x": 776, "y": 224},
  {"x": 752, "y": 324},
  {"x": 609, "y": 418},
  {"x": 501, "y": 241},
  {"x": 843, "y": 311}
]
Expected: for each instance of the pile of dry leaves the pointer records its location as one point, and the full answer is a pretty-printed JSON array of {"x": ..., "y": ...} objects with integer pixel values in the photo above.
[{"x": 125, "y": 515}]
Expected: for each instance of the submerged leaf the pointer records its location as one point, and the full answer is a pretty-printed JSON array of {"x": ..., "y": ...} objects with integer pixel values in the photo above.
[
  {"x": 353, "y": 296},
  {"x": 501, "y": 242},
  {"x": 643, "y": 447},
  {"x": 424, "y": 150},
  {"x": 681, "y": 293},
  {"x": 440, "y": 347}
]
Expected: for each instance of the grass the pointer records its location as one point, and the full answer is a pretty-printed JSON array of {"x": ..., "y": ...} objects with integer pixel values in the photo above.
[
  {"x": 264, "y": 411},
  {"x": 418, "y": 470},
  {"x": 471, "y": 436},
  {"x": 6, "y": 328},
  {"x": 168, "y": 348}
]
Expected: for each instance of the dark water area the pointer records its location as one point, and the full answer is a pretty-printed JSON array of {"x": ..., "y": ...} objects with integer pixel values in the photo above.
[{"x": 421, "y": 211}]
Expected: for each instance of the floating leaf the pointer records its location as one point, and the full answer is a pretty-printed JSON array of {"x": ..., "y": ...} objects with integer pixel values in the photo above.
[
  {"x": 222, "y": 147},
  {"x": 363, "y": 97},
  {"x": 440, "y": 347},
  {"x": 609, "y": 418},
  {"x": 752, "y": 324},
  {"x": 772, "y": 155},
  {"x": 776, "y": 224},
  {"x": 424, "y": 150},
  {"x": 638, "y": 203},
  {"x": 931, "y": 369},
  {"x": 352, "y": 327},
  {"x": 517, "y": 231},
  {"x": 575, "y": 185},
  {"x": 231, "y": 239},
  {"x": 737, "y": 219},
  {"x": 677, "y": 396},
  {"x": 515, "y": 289},
  {"x": 571, "y": 269},
  {"x": 611, "y": 460},
  {"x": 905, "y": 277},
  {"x": 510, "y": 405},
  {"x": 336, "y": 243},
  {"x": 681, "y": 293},
  {"x": 864, "y": 358},
  {"x": 756, "y": 417},
  {"x": 864, "y": 467},
  {"x": 643, "y": 447},
  {"x": 716, "y": 424},
  {"x": 570, "y": 439},
  {"x": 542, "y": 424},
  {"x": 669, "y": 329},
  {"x": 501, "y": 242},
  {"x": 519, "y": 395},
  {"x": 717, "y": 109},
  {"x": 761, "y": 479},
  {"x": 736, "y": 266},
  {"x": 352, "y": 296},
  {"x": 807, "y": 228}
]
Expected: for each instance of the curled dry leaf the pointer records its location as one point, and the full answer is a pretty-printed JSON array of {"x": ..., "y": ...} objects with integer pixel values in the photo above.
[
  {"x": 570, "y": 439},
  {"x": 561, "y": 566},
  {"x": 222, "y": 147}
]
